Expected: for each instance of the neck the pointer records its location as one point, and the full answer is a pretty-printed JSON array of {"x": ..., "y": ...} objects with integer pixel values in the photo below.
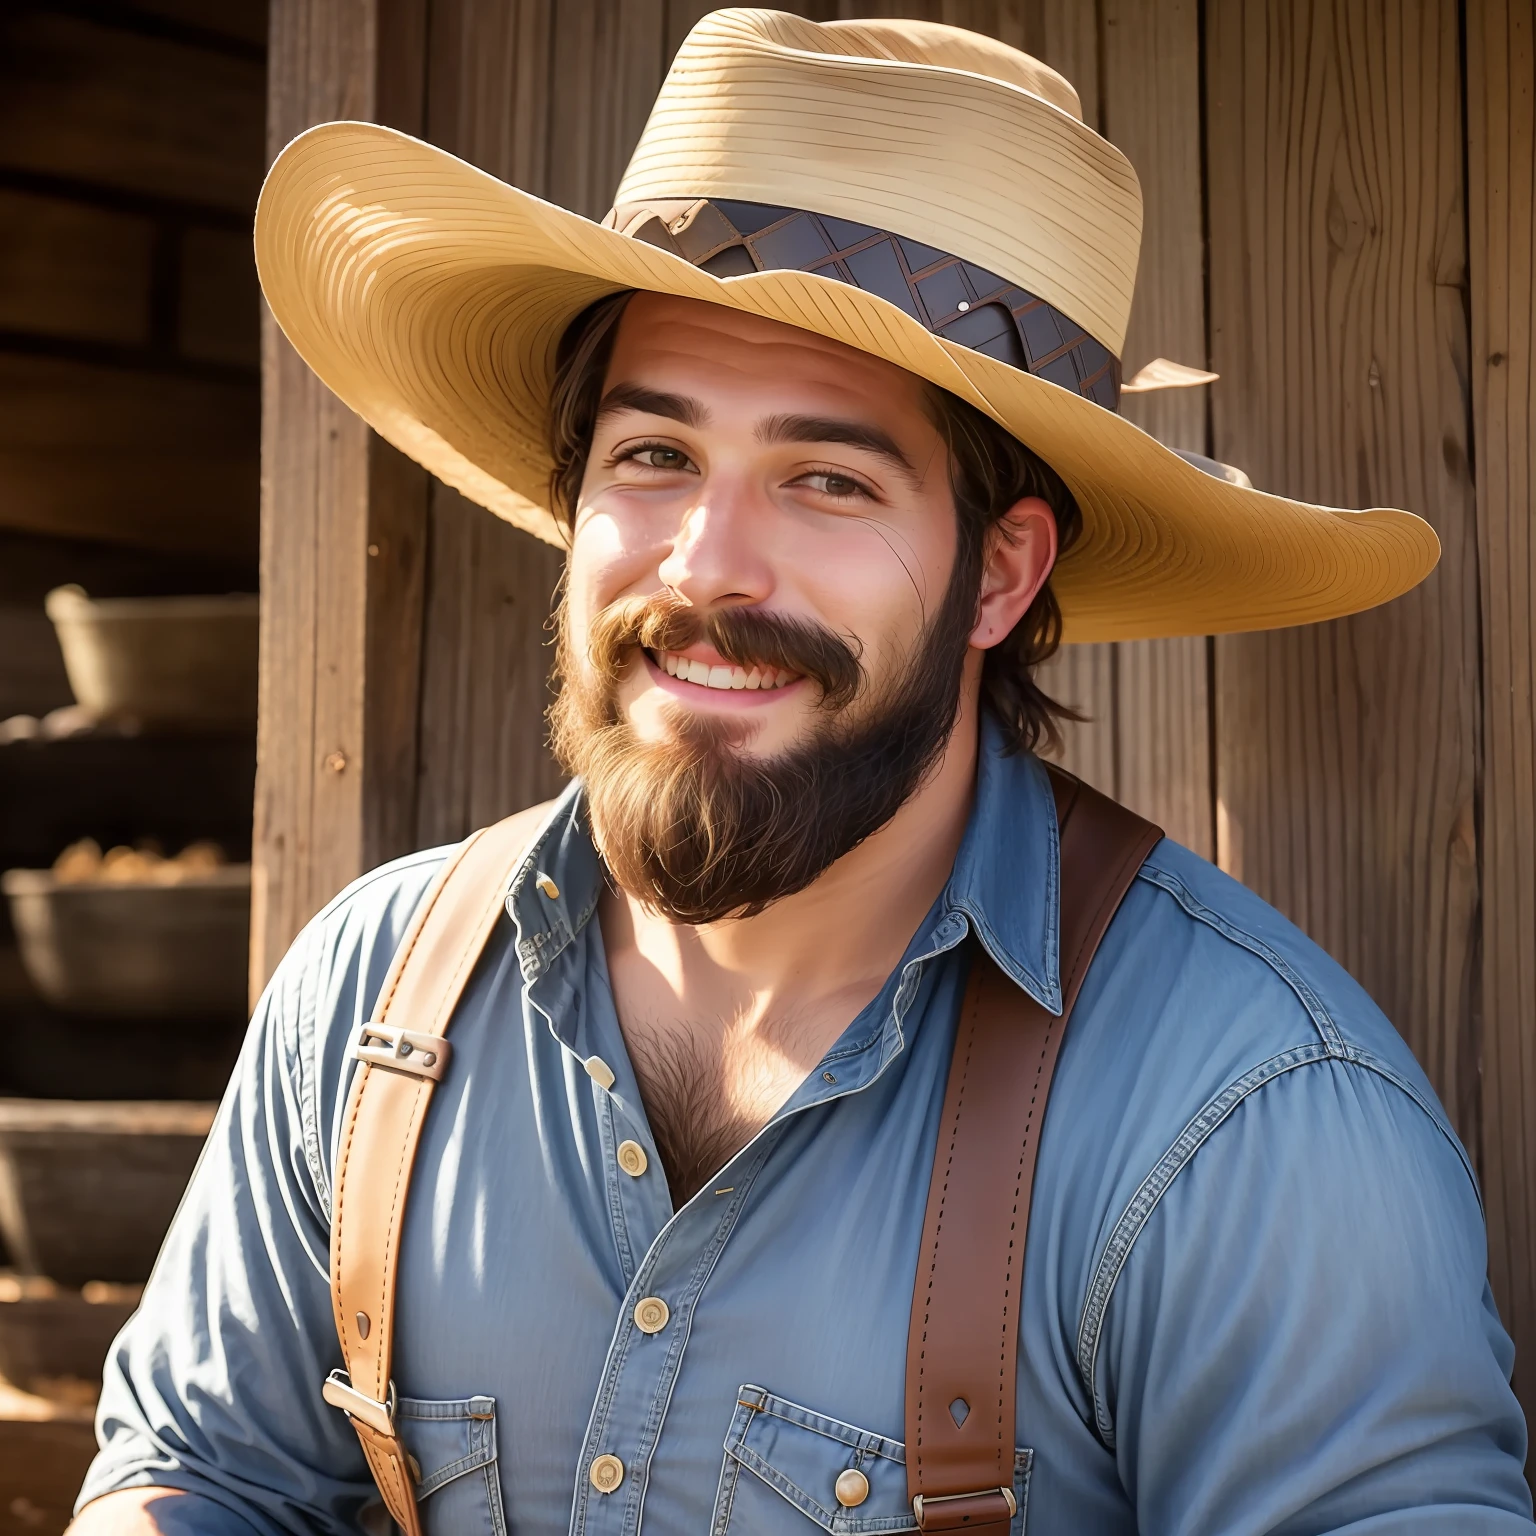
[{"x": 820, "y": 955}]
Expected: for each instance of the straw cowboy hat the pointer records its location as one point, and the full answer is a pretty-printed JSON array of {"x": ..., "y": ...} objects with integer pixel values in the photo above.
[{"x": 919, "y": 192}]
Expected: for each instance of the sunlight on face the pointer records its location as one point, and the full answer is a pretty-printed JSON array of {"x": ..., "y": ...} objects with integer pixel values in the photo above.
[{"x": 741, "y": 462}]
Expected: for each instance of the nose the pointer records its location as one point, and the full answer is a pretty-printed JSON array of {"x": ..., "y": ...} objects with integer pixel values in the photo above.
[{"x": 718, "y": 557}]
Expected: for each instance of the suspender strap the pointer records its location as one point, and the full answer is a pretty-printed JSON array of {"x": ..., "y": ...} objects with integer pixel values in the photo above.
[
  {"x": 963, "y": 1345},
  {"x": 401, "y": 1054}
]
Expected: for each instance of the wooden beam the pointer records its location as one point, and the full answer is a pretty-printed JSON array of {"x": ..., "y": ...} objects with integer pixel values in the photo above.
[
  {"x": 343, "y": 538},
  {"x": 1501, "y": 166},
  {"x": 1347, "y": 753},
  {"x": 95, "y": 450},
  {"x": 87, "y": 100}
]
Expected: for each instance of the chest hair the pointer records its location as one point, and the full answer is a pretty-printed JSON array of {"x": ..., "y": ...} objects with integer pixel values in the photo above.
[{"x": 706, "y": 1097}]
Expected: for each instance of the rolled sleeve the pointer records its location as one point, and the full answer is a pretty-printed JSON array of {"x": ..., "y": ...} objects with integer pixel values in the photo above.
[
  {"x": 214, "y": 1385},
  {"x": 1302, "y": 1338}
]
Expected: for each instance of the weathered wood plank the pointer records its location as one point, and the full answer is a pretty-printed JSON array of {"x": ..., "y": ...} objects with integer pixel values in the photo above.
[
  {"x": 156, "y": 460},
  {"x": 71, "y": 270},
  {"x": 1065, "y": 35},
  {"x": 1501, "y": 164},
  {"x": 489, "y": 586},
  {"x": 147, "y": 114},
  {"x": 485, "y": 664},
  {"x": 1347, "y": 753},
  {"x": 1151, "y": 89},
  {"x": 341, "y": 628}
]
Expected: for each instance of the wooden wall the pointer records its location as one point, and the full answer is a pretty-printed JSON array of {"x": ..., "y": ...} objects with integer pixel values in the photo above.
[
  {"x": 1339, "y": 221},
  {"x": 130, "y": 157}
]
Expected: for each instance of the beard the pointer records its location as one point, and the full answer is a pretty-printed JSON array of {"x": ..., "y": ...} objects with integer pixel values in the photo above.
[{"x": 694, "y": 828}]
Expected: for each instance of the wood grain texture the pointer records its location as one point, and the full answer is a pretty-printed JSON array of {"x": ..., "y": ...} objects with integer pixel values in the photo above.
[
  {"x": 489, "y": 586},
  {"x": 340, "y": 642},
  {"x": 1347, "y": 753},
  {"x": 1065, "y": 34},
  {"x": 485, "y": 663},
  {"x": 70, "y": 270},
  {"x": 115, "y": 108},
  {"x": 161, "y": 461},
  {"x": 1151, "y": 111},
  {"x": 1501, "y": 165}
]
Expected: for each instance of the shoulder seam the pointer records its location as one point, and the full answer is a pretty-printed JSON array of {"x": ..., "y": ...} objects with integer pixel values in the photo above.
[
  {"x": 1155, "y": 1185},
  {"x": 1322, "y": 1020},
  {"x": 355, "y": 888}
]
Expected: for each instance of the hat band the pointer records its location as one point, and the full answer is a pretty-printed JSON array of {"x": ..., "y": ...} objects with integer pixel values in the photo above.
[{"x": 951, "y": 298}]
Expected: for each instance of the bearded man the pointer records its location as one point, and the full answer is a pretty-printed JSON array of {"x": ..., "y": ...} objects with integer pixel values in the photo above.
[{"x": 751, "y": 1025}]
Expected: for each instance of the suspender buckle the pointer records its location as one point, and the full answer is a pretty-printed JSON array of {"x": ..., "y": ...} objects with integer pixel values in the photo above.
[
  {"x": 964, "y": 1511},
  {"x": 338, "y": 1391},
  {"x": 402, "y": 1050}
]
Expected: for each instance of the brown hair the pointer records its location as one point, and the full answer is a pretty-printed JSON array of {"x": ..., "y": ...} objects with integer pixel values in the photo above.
[{"x": 989, "y": 471}]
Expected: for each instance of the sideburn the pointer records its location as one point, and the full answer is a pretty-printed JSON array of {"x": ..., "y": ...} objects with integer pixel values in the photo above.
[{"x": 697, "y": 831}]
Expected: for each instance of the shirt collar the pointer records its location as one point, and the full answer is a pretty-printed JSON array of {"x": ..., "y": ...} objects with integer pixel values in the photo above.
[
  {"x": 1007, "y": 874},
  {"x": 1006, "y": 879}
]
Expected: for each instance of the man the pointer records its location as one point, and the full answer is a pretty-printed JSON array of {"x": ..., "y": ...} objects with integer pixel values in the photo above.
[{"x": 658, "y": 1263}]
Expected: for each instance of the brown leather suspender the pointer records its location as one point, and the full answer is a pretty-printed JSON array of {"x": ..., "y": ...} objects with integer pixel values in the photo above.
[
  {"x": 962, "y": 1351},
  {"x": 963, "y": 1343},
  {"x": 401, "y": 1054}
]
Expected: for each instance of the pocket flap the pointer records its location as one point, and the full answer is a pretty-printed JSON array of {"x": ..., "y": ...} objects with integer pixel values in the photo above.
[
  {"x": 801, "y": 1455},
  {"x": 447, "y": 1438}
]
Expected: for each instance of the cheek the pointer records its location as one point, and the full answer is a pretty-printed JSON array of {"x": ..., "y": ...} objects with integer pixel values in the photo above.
[
  {"x": 881, "y": 582},
  {"x": 606, "y": 562}
]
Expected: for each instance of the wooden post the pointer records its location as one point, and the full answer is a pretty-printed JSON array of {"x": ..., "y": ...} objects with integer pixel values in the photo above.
[
  {"x": 1347, "y": 753},
  {"x": 1501, "y": 165},
  {"x": 343, "y": 537}
]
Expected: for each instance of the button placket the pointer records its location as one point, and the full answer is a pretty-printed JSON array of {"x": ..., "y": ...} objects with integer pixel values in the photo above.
[
  {"x": 641, "y": 1368},
  {"x": 638, "y": 1207},
  {"x": 643, "y": 1363}
]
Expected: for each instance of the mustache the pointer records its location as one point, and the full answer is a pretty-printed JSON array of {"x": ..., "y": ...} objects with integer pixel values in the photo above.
[{"x": 745, "y": 637}]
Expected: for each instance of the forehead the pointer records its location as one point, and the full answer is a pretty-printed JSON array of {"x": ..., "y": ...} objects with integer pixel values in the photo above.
[{"x": 711, "y": 352}]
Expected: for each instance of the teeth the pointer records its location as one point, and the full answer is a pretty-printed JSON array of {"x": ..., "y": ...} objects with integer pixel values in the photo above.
[{"x": 706, "y": 676}]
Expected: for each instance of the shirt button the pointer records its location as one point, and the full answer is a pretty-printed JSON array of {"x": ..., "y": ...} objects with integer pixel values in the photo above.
[
  {"x": 651, "y": 1314},
  {"x": 606, "y": 1473},
  {"x": 632, "y": 1158},
  {"x": 599, "y": 1071},
  {"x": 851, "y": 1488}
]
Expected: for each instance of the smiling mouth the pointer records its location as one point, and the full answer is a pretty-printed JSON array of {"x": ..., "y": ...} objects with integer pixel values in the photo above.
[{"x": 757, "y": 678}]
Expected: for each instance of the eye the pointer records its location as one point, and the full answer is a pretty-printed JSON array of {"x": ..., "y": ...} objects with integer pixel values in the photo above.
[
  {"x": 837, "y": 484},
  {"x": 655, "y": 456}
]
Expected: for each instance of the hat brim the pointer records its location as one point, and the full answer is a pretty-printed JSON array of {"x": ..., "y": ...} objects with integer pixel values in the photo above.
[{"x": 430, "y": 297}]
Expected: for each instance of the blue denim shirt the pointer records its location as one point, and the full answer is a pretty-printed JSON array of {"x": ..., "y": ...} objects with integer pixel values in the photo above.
[{"x": 1255, "y": 1294}]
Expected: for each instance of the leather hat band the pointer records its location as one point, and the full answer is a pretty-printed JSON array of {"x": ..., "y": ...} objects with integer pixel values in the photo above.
[{"x": 952, "y": 298}]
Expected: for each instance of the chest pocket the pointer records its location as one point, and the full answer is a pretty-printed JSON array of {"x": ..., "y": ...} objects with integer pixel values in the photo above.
[
  {"x": 781, "y": 1458},
  {"x": 458, "y": 1485}
]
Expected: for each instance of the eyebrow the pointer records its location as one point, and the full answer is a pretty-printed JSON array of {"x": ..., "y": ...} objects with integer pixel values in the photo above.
[
  {"x": 654, "y": 402},
  {"x": 831, "y": 429}
]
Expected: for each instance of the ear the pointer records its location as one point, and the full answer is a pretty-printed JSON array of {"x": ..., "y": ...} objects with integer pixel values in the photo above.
[{"x": 1021, "y": 549}]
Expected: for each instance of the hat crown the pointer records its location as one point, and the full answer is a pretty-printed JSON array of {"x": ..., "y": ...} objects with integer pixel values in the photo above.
[{"x": 926, "y": 130}]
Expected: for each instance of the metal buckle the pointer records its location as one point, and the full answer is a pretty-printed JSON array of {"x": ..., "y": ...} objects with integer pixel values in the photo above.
[
  {"x": 402, "y": 1050},
  {"x": 920, "y": 1503},
  {"x": 338, "y": 1391}
]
